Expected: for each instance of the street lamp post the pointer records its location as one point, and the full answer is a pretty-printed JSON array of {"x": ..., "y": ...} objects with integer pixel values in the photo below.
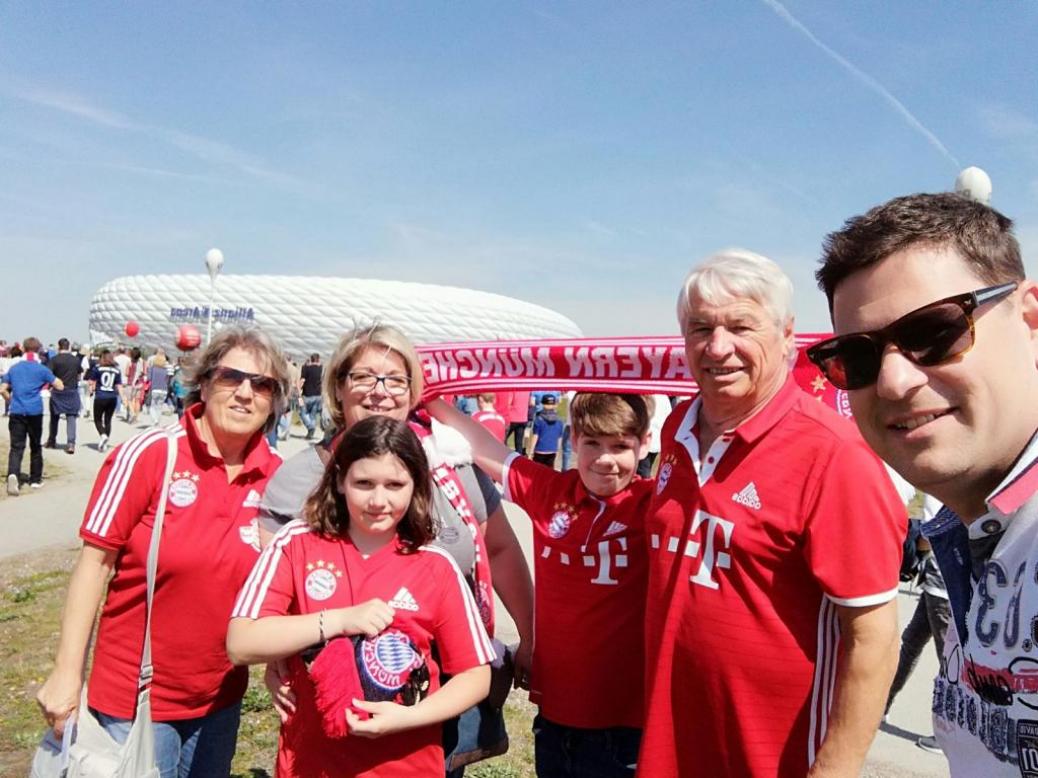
[{"x": 213, "y": 263}]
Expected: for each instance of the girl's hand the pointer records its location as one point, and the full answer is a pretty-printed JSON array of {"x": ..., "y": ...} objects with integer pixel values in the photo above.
[
  {"x": 386, "y": 718},
  {"x": 278, "y": 682},
  {"x": 58, "y": 698},
  {"x": 368, "y": 618}
]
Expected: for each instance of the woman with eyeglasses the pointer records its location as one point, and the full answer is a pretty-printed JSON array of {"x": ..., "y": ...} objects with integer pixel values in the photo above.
[
  {"x": 208, "y": 547},
  {"x": 376, "y": 371}
]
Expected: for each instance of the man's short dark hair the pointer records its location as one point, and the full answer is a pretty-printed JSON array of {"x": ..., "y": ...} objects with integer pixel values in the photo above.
[
  {"x": 63, "y": 343},
  {"x": 315, "y": 357},
  {"x": 981, "y": 235}
]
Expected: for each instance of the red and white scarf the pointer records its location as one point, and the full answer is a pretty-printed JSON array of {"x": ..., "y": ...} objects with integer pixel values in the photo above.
[
  {"x": 446, "y": 480},
  {"x": 641, "y": 365}
]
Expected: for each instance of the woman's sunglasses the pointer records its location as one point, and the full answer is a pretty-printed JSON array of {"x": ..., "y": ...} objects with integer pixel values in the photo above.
[
  {"x": 230, "y": 378},
  {"x": 927, "y": 336}
]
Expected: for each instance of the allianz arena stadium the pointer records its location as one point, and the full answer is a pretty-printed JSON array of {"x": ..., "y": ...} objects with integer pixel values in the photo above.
[{"x": 310, "y": 314}]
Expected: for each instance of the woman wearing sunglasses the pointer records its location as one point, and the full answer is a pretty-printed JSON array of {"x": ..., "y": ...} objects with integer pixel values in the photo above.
[
  {"x": 209, "y": 544},
  {"x": 376, "y": 372}
]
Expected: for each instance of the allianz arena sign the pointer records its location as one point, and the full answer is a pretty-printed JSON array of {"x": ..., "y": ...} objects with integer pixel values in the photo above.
[
  {"x": 310, "y": 314},
  {"x": 201, "y": 314}
]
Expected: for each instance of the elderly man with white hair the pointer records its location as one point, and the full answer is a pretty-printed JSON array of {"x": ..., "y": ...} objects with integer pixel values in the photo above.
[{"x": 775, "y": 542}]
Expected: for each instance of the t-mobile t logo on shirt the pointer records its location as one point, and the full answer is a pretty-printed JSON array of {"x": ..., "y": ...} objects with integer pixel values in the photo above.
[
  {"x": 707, "y": 548},
  {"x": 710, "y": 556}
]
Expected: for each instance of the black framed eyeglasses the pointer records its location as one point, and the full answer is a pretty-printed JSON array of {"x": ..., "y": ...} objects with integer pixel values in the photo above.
[
  {"x": 926, "y": 336},
  {"x": 231, "y": 378},
  {"x": 394, "y": 385}
]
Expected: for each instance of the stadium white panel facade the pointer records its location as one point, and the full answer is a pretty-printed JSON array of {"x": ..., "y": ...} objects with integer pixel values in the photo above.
[{"x": 310, "y": 314}]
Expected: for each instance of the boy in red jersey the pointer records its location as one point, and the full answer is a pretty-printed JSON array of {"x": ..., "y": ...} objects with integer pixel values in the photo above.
[{"x": 591, "y": 572}]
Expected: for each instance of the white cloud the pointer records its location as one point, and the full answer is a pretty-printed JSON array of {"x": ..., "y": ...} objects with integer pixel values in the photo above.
[
  {"x": 208, "y": 150},
  {"x": 863, "y": 78}
]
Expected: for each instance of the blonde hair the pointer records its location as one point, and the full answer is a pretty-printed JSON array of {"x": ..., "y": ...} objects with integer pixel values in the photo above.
[
  {"x": 350, "y": 348},
  {"x": 594, "y": 413}
]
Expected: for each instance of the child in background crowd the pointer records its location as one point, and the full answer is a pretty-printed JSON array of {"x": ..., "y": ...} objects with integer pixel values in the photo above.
[
  {"x": 488, "y": 416},
  {"x": 547, "y": 433},
  {"x": 359, "y": 564},
  {"x": 590, "y": 581}
]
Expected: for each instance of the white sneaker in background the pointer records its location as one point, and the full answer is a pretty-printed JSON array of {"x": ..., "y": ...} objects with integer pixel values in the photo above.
[
  {"x": 12, "y": 485},
  {"x": 929, "y": 743}
]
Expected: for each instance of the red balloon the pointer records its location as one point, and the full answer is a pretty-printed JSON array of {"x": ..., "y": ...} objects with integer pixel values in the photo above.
[
  {"x": 188, "y": 337},
  {"x": 131, "y": 329}
]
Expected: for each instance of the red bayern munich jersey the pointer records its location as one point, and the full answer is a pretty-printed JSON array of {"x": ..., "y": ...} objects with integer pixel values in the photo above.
[
  {"x": 752, "y": 545},
  {"x": 209, "y": 544},
  {"x": 494, "y": 422},
  {"x": 591, "y": 569},
  {"x": 302, "y": 571}
]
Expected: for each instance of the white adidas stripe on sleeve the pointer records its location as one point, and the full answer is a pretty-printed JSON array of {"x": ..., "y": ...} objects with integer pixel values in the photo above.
[
  {"x": 480, "y": 641},
  {"x": 505, "y": 468},
  {"x": 251, "y": 597},
  {"x": 100, "y": 520}
]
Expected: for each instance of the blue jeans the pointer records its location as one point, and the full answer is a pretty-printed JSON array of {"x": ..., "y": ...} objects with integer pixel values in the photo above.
[
  {"x": 189, "y": 748},
  {"x": 567, "y": 447},
  {"x": 568, "y": 752},
  {"x": 310, "y": 412}
]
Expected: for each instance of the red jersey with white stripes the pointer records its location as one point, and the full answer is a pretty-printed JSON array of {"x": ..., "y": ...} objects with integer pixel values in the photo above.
[
  {"x": 209, "y": 544},
  {"x": 752, "y": 545},
  {"x": 303, "y": 571},
  {"x": 590, "y": 571}
]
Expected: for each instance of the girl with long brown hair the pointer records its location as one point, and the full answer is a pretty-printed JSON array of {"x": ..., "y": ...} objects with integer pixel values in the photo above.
[{"x": 358, "y": 565}]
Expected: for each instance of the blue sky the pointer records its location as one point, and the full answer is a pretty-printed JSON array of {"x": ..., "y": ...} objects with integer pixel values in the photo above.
[{"x": 578, "y": 155}]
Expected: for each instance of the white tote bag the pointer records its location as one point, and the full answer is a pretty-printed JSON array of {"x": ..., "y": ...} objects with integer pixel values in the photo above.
[{"x": 93, "y": 753}]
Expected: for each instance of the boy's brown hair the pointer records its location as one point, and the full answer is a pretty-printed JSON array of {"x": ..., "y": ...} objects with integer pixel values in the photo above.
[{"x": 594, "y": 413}]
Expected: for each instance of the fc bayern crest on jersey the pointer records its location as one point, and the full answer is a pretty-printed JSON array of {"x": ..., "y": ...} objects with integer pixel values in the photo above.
[
  {"x": 321, "y": 580},
  {"x": 560, "y": 521},
  {"x": 388, "y": 659},
  {"x": 663, "y": 476},
  {"x": 183, "y": 490}
]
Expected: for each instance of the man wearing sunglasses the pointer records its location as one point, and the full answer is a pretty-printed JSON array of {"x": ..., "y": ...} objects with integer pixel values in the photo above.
[
  {"x": 937, "y": 344},
  {"x": 774, "y": 548}
]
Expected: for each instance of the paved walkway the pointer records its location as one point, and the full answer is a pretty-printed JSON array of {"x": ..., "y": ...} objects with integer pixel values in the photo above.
[{"x": 51, "y": 517}]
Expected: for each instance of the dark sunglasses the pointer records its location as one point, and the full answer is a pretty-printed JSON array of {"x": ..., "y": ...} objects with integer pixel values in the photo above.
[
  {"x": 926, "y": 336},
  {"x": 230, "y": 378}
]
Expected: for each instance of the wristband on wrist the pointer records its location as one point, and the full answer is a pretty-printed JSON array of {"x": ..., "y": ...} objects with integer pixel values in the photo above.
[{"x": 320, "y": 626}]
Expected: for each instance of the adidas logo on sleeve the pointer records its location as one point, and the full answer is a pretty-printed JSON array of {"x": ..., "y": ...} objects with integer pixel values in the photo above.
[
  {"x": 748, "y": 496},
  {"x": 403, "y": 600}
]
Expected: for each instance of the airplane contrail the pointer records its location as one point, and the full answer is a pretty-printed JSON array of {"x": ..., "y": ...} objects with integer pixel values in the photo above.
[{"x": 865, "y": 79}]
